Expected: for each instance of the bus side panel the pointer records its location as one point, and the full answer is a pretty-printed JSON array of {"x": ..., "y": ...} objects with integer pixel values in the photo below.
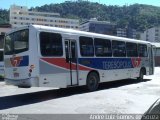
[
  {"x": 134, "y": 72},
  {"x": 145, "y": 64},
  {"x": 53, "y": 80},
  {"x": 118, "y": 74},
  {"x": 111, "y": 69},
  {"x": 33, "y": 69},
  {"x": 82, "y": 77},
  {"x": 52, "y": 75}
]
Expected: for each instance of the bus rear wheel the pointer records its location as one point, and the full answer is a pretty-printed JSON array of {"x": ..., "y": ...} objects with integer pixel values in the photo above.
[
  {"x": 92, "y": 81},
  {"x": 141, "y": 75}
]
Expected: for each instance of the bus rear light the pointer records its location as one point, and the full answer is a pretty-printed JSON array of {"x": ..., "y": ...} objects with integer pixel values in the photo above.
[
  {"x": 30, "y": 70},
  {"x": 32, "y": 66}
]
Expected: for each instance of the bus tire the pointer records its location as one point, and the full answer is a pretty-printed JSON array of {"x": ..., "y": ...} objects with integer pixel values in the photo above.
[
  {"x": 19, "y": 86},
  {"x": 141, "y": 75},
  {"x": 92, "y": 81}
]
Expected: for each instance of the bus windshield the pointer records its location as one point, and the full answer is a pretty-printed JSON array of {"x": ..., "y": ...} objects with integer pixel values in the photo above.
[{"x": 16, "y": 42}]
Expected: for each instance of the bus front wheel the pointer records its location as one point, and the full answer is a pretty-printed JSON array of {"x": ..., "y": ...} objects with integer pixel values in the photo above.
[{"x": 92, "y": 81}]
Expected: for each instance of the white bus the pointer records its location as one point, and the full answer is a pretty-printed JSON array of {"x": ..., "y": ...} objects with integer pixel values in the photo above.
[
  {"x": 44, "y": 56},
  {"x": 1, "y": 64}
]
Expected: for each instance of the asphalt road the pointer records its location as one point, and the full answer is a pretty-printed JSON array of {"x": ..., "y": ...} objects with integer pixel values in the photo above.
[
  {"x": 34, "y": 95},
  {"x": 119, "y": 97}
]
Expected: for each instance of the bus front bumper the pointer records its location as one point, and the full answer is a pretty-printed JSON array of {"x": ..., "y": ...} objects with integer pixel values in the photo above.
[{"x": 29, "y": 82}]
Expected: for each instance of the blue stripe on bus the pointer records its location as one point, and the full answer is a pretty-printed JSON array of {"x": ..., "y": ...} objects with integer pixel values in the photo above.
[
  {"x": 24, "y": 61},
  {"x": 106, "y": 63}
]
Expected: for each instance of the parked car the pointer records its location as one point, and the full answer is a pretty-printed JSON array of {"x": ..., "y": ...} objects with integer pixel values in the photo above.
[{"x": 153, "y": 113}]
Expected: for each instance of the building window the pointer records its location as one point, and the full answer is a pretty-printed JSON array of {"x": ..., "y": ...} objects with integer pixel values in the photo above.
[
  {"x": 156, "y": 34},
  {"x": 156, "y": 30}
]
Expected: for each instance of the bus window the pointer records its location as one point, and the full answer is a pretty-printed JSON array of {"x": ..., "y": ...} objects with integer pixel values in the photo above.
[
  {"x": 118, "y": 48},
  {"x": 21, "y": 41},
  {"x": 142, "y": 50},
  {"x": 16, "y": 42},
  {"x": 102, "y": 47},
  {"x": 131, "y": 49},
  {"x": 9, "y": 44},
  {"x": 51, "y": 44},
  {"x": 86, "y": 46}
]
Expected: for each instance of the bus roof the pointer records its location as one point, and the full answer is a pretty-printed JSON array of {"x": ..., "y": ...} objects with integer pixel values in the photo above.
[
  {"x": 78, "y": 32},
  {"x": 72, "y": 31}
]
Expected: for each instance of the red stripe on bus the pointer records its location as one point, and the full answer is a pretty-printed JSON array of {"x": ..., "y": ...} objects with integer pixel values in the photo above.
[
  {"x": 61, "y": 62},
  {"x": 136, "y": 62}
]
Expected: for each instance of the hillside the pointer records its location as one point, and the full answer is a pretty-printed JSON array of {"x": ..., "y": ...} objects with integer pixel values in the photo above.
[{"x": 136, "y": 16}]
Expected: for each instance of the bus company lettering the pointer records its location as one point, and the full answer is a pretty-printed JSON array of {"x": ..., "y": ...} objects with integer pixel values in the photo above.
[
  {"x": 15, "y": 61},
  {"x": 116, "y": 64}
]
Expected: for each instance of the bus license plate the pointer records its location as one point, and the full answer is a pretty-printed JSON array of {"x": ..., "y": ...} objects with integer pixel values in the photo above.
[{"x": 16, "y": 74}]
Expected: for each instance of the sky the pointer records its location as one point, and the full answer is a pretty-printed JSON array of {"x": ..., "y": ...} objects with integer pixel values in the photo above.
[{"x": 5, "y": 4}]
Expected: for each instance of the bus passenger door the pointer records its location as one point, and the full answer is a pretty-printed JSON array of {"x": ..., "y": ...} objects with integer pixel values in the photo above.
[
  {"x": 151, "y": 60},
  {"x": 71, "y": 59}
]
